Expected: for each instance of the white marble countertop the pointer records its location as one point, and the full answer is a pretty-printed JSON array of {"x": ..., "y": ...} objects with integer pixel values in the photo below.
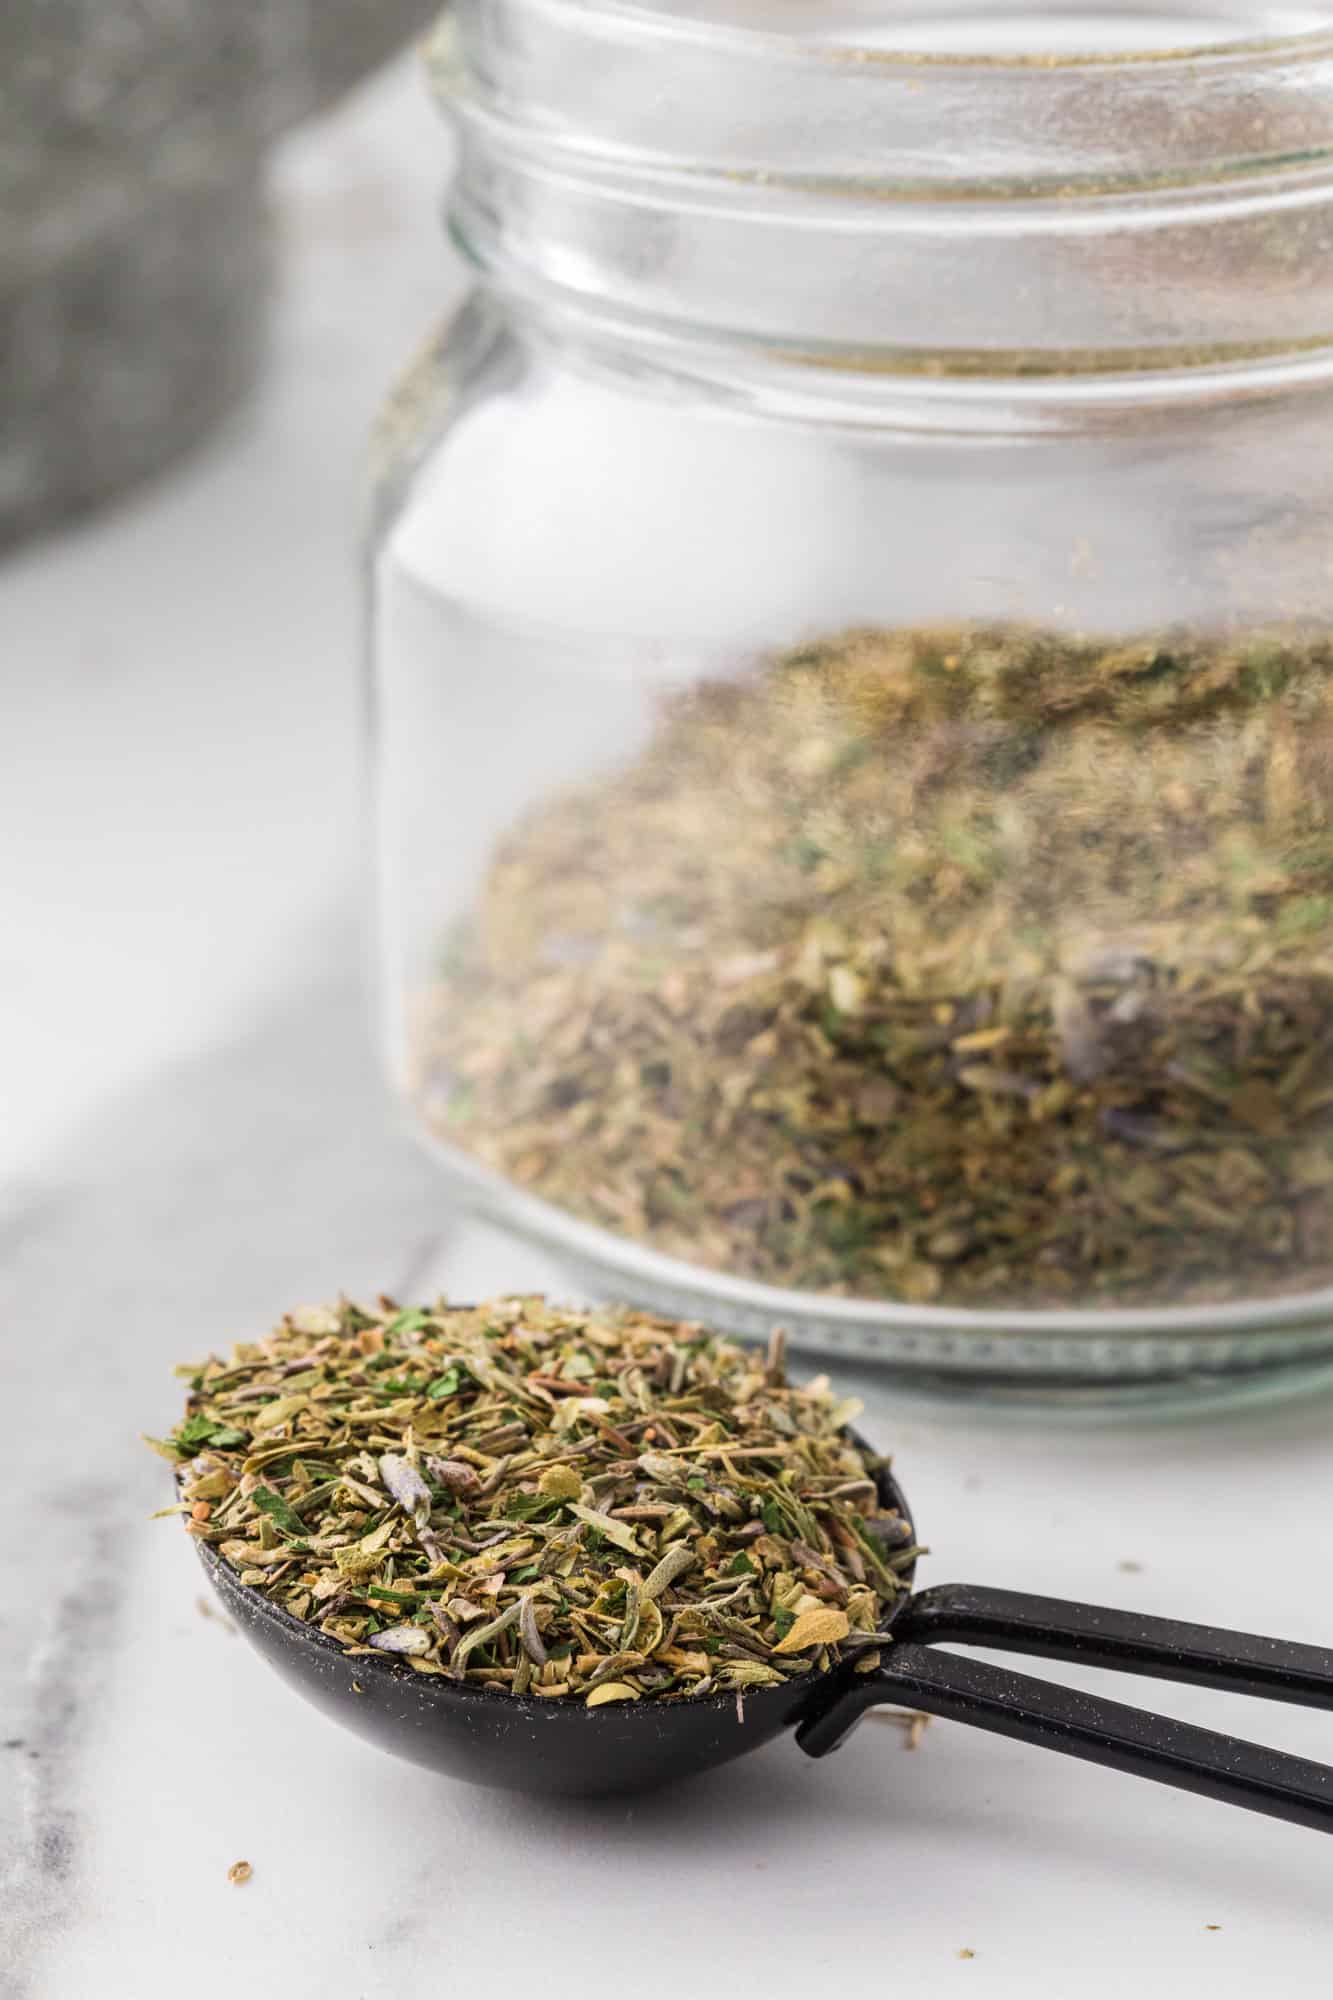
[{"x": 195, "y": 1138}]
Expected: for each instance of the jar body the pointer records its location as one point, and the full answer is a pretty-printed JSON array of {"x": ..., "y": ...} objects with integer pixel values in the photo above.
[
  {"x": 879, "y": 866},
  {"x": 856, "y": 831}
]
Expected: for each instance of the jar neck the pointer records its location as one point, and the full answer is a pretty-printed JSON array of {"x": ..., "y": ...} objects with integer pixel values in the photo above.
[{"x": 897, "y": 212}]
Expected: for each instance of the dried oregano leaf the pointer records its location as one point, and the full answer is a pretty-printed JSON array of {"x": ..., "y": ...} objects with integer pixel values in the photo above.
[
  {"x": 615, "y": 1531},
  {"x": 280, "y": 1411},
  {"x": 401, "y": 1639},
  {"x": 815, "y": 1628},
  {"x": 606, "y": 1506}
]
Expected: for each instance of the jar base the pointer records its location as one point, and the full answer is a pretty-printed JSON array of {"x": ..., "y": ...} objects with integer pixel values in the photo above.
[{"x": 1169, "y": 1361}]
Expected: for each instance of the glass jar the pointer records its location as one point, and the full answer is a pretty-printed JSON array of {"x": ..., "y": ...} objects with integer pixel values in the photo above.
[{"x": 853, "y": 665}]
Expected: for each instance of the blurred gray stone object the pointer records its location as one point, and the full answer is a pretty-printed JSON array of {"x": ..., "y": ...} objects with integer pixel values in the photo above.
[{"x": 134, "y": 246}]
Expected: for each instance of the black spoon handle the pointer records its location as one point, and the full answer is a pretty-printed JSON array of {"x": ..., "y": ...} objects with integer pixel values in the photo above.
[
  {"x": 1092, "y": 1635},
  {"x": 1080, "y": 1725}
]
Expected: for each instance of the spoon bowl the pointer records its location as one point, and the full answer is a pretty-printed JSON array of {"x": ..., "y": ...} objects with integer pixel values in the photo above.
[
  {"x": 518, "y": 1742},
  {"x": 560, "y": 1747}
]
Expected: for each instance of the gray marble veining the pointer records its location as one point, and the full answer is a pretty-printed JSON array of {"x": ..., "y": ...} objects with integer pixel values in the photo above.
[{"x": 251, "y": 1178}]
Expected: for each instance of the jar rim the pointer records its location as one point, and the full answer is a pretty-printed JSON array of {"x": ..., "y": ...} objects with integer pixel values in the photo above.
[
  {"x": 676, "y": 22},
  {"x": 671, "y": 87},
  {"x": 1144, "y": 209}
]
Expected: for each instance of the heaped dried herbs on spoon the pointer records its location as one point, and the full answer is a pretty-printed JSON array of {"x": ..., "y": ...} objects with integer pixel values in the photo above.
[{"x": 583, "y": 1506}]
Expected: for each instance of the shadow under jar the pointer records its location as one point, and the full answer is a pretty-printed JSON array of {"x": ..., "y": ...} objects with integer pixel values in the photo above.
[{"x": 853, "y": 663}]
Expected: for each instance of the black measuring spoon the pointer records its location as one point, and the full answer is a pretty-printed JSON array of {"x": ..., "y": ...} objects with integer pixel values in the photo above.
[{"x": 523, "y": 1743}]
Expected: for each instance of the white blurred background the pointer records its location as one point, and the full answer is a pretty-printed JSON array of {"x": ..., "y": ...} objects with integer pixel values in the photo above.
[{"x": 180, "y": 699}]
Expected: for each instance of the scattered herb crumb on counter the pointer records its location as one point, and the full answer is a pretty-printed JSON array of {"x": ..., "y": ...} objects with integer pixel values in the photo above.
[
  {"x": 588, "y": 1506},
  {"x": 979, "y": 965}
]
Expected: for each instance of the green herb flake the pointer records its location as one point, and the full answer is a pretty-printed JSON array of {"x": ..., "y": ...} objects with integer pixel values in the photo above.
[{"x": 278, "y": 1511}]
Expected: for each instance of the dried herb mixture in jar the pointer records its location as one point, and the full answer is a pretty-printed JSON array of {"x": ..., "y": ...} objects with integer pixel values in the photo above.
[
  {"x": 598, "y": 1507},
  {"x": 976, "y": 966}
]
